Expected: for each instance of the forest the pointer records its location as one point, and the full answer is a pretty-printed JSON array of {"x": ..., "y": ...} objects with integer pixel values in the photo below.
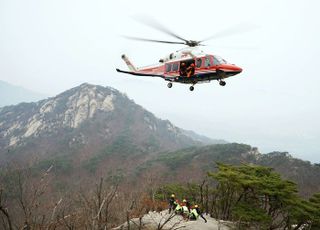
[{"x": 251, "y": 196}]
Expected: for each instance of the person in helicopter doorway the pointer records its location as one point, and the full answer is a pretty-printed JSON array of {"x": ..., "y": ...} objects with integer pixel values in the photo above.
[
  {"x": 183, "y": 69},
  {"x": 190, "y": 70}
]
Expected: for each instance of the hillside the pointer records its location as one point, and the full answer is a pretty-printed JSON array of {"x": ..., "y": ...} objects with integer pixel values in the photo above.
[
  {"x": 90, "y": 128},
  {"x": 11, "y": 94},
  {"x": 192, "y": 163}
]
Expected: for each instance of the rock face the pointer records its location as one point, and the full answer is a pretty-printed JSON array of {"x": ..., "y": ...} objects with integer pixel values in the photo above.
[
  {"x": 152, "y": 220},
  {"x": 67, "y": 110},
  {"x": 87, "y": 116}
]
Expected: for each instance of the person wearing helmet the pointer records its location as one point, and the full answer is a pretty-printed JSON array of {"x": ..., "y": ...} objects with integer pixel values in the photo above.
[
  {"x": 172, "y": 203},
  {"x": 190, "y": 70},
  {"x": 188, "y": 205},
  {"x": 185, "y": 208},
  {"x": 193, "y": 214},
  {"x": 178, "y": 209},
  {"x": 183, "y": 69},
  {"x": 196, "y": 212}
]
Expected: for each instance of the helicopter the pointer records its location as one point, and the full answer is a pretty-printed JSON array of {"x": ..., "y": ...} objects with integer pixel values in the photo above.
[{"x": 189, "y": 65}]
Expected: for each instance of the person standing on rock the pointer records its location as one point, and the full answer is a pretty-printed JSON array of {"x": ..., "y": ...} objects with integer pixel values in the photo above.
[
  {"x": 193, "y": 214},
  {"x": 172, "y": 203},
  {"x": 178, "y": 209},
  {"x": 185, "y": 209},
  {"x": 196, "y": 207},
  {"x": 188, "y": 205}
]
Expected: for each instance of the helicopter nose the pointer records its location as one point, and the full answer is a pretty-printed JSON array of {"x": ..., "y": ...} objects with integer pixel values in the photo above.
[
  {"x": 236, "y": 69},
  {"x": 239, "y": 69}
]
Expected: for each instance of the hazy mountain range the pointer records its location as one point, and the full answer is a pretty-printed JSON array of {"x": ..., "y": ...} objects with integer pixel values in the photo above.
[{"x": 11, "y": 94}]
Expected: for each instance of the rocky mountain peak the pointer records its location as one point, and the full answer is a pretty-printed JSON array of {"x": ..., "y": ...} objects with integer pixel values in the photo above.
[
  {"x": 94, "y": 113},
  {"x": 81, "y": 103},
  {"x": 68, "y": 110}
]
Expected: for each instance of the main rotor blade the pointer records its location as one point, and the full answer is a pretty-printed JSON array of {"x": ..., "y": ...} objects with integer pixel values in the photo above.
[
  {"x": 238, "y": 29},
  {"x": 153, "y": 40},
  {"x": 156, "y": 25}
]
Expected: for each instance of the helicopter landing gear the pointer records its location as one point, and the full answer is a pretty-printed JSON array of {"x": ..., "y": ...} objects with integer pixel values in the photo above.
[
  {"x": 169, "y": 85},
  {"x": 222, "y": 83},
  {"x": 191, "y": 88}
]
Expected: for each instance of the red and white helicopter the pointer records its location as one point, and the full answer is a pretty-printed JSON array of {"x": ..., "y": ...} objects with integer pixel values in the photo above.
[{"x": 189, "y": 65}]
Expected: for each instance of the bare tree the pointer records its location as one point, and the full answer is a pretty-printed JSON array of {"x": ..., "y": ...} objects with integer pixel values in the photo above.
[
  {"x": 6, "y": 223},
  {"x": 95, "y": 206},
  {"x": 29, "y": 197}
]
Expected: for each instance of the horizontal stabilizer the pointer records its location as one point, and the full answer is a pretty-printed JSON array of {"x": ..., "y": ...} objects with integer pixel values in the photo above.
[{"x": 139, "y": 74}]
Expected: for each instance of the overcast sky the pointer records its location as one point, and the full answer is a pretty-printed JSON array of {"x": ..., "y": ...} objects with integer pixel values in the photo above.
[{"x": 51, "y": 46}]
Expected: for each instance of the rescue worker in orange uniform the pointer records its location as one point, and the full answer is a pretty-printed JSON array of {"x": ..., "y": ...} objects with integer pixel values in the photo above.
[
  {"x": 190, "y": 70},
  {"x": 183, "y": 69}
]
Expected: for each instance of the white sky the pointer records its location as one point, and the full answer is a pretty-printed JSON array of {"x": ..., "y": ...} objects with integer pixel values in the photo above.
[{"x": 50, "y": 46}]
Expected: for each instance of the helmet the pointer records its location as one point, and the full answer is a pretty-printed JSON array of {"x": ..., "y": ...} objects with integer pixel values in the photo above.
[
  {"x": 172, "y": 195},
  {"x": 184, "y": 200},
  {"x": 196, "y": 206}
]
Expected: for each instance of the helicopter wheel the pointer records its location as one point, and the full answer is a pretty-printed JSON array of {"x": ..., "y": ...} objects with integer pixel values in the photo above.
[
  {"x": 191, "y": 88},
  {"x": 222, "y": 83},
  {"x": 169, "y": 85}
]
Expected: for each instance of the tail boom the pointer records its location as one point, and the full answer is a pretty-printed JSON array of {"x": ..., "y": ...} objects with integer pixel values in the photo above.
[{"x": 129, "y": 64}]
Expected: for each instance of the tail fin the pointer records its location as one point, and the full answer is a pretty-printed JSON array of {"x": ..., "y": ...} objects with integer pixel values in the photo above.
[{"x": 129, "y": 64}]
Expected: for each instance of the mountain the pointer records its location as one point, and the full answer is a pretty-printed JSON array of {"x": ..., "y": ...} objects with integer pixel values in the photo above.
[
  {"x": 71, "y": 155},
  {"x": 11, "y": 94},
  {"x": 91, "y": 131},
  {"x": 84, "y": 121}
]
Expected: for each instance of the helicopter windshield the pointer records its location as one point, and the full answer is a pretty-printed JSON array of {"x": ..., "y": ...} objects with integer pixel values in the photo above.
[{"x": 218, "y": 60}]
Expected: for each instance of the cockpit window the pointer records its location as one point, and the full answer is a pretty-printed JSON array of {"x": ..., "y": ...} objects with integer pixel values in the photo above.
[
  {"x": 207, "y": 62},
  {"x": 198, "y": 62},
  {"x": 218, "y": 60},
  {"x": 215, "y": 61}
]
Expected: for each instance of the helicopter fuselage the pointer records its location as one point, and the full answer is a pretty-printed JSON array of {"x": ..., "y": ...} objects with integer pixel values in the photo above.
[{"x": 205, "y": 67}]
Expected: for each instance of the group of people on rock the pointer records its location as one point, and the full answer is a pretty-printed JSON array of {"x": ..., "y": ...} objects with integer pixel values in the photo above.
[{"x": 185, "y": 209}]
